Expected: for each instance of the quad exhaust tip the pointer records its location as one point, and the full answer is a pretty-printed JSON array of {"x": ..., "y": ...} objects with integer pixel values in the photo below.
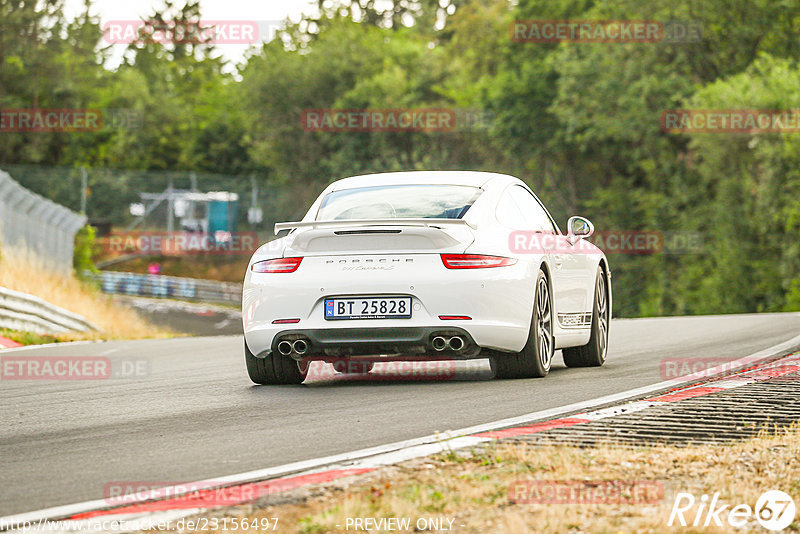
[
  {"x": 300, "y": 347},
  {"x": 455, "y": 343},
  {"x": 285, "y": 348},
  {"x": 439, "y": 343}
]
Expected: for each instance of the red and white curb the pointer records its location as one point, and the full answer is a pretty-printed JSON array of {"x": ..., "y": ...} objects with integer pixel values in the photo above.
[
  {"x": 19, "y": 348},
  {"x": 142, "y": 512},
  {"x": 790, "y": 364},
  {"x": 6, "y": 343}
]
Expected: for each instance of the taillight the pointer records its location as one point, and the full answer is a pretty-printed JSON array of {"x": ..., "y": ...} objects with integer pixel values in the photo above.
[
  {"x": 280, "y": 265},
  {"x": 475, "y": 261}
]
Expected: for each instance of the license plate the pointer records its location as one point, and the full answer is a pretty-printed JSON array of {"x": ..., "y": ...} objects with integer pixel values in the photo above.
[{"x": 368, "y": 308}]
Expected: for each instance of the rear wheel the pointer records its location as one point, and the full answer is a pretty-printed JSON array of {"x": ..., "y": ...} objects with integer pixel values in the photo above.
[
  {"x": 274, "y": 369},
  {"x": 594, "y": 353},
  {"x": 536, "y": 356}
]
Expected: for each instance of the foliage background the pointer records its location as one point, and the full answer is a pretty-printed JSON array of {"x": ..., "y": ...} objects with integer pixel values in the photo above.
[{"x": 578, "y": 122}]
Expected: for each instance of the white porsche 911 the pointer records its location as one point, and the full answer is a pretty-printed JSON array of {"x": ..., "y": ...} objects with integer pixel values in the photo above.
[{"x": 426, "y": 266}]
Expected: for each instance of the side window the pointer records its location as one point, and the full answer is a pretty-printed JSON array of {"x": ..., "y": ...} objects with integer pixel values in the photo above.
[
  {"x": 508, "y": 212},
  {"x": 534, "y": 216}
]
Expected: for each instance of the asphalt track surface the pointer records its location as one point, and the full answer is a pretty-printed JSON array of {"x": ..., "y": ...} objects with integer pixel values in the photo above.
[
  {"x": 191, "y": 413},
  {"x": 194, "y": 319}
]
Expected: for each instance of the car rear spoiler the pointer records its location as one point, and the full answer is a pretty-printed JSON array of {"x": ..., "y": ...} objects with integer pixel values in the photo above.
[{"x": 372, "y": 222}]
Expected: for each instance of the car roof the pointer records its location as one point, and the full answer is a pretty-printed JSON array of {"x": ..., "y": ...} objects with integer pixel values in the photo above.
[{"x": 467, "y": 178}]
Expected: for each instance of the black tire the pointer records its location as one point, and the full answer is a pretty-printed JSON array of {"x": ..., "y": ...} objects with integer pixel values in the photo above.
[
  {"x": 594, "y": 353},
  {"x": 275, "y": 369},
  {"x": 537, "y": 355}
]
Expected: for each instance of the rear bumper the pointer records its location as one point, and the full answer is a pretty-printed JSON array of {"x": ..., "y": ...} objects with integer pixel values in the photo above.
[{"x": 332, "y": 343}]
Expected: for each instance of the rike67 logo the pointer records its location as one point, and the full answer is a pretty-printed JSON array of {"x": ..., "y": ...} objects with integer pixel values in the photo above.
[{"x": 774, "y": 510}]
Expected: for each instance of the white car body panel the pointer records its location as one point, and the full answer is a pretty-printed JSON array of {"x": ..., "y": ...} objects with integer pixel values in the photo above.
[{"x": 407, "y": 262}]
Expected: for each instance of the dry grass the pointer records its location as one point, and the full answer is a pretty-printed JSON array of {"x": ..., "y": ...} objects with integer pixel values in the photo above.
[
  {"x": 22, "y": 272},
  {"x": 473, "y": 489}
]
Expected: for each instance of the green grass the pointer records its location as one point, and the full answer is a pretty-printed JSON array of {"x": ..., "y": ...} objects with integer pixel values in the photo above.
[{"x": 29, "y": 338}]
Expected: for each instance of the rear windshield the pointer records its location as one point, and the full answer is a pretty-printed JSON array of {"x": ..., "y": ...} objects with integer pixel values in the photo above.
[{"x": 398, "y": 201}]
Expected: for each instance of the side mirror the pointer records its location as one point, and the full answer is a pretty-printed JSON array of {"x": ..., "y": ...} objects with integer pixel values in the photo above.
[{"x": 579, "y": 227}]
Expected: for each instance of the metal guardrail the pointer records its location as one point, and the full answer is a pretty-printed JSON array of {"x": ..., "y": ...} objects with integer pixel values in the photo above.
[
  {"x": 31, "y": 222},
  {"x": 160, "y": 286},
  {"x": 24, "y": 312}
]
